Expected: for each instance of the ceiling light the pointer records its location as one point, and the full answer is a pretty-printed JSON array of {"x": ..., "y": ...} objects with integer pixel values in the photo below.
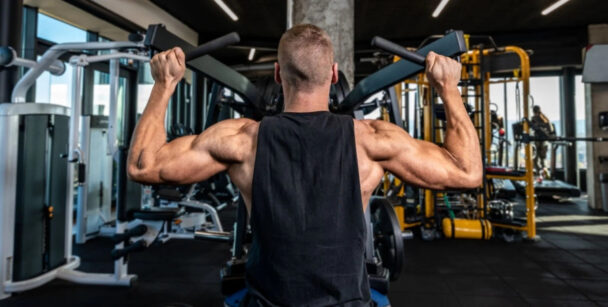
[
  {"x": 554, "y": 6},
  {"x": 227, "y": 10},
  {"x": 440, "y": 8},
  {"x": 251, "y": 54}
]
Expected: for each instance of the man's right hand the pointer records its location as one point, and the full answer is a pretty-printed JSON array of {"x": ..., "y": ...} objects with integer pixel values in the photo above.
[
  {"x": 168, "y": 67},
  {"x": 442, "y": 72}
]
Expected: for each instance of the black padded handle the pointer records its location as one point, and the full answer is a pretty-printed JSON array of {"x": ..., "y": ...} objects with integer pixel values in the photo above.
[
  {"x": 396, "y": 49},
  {"x": 220, "y": 42},
  {"x": 136, "y": 231},
  {"x": 138, "y": 246}
]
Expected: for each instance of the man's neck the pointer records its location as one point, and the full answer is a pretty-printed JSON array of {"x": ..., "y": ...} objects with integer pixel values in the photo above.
[{"x": 299, "y": 102}]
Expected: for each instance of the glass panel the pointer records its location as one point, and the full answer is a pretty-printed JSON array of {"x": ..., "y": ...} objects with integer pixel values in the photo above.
[
  {"x": 546, "y": 93},
  {"x": 55, "y": 89},
  {"x": 58, "y": 31},
  {"x": 144, "y": 87},
  {"x": 101, "y": 93},
  {"x": 513, "y": 114},
  {"x": 579, "y": 104}
]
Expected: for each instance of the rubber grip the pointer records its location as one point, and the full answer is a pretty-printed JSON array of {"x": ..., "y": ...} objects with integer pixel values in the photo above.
[
  {"x": 396, "y": 49},
  {"x": 135, "y": 247},
  {"x": 220, "y": 42},
  {"x": 6, "y": 55}
]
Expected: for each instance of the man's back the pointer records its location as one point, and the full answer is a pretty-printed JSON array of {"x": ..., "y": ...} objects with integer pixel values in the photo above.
[{"x": 306, "y": 213}]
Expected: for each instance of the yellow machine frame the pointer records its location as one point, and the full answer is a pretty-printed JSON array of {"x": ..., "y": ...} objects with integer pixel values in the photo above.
[{"x": 522, "y": 74}]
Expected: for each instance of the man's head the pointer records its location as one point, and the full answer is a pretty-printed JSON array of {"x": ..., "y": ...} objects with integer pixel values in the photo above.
[
  {"x": 536, "y": 110},
  {"x": 306, "y": 59}
]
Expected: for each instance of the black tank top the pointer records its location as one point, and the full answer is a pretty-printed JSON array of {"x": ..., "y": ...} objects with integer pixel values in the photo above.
[{"x": 306, "y": 214}]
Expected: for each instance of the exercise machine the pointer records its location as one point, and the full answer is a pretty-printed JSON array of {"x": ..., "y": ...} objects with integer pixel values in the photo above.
[{"x": 38, "y": 175}]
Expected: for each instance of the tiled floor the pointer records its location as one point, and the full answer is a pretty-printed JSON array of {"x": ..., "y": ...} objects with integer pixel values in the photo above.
[{"x": 567, "y": 267}]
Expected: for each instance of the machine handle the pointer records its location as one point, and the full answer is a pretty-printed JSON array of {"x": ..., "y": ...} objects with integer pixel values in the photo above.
[
  {"x": 396, "y": 49},
  {"x": 139, "y": 245},
  {"x": 220, "y": 42}
]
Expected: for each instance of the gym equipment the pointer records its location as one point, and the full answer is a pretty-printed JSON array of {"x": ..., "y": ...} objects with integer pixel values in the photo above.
[
  {"x": 36, "y": 184},
  {"x": 466, "y": 229},
  {"x": 478, "y": 66},
  {"x": 35, "y": 223},
  {"x": 388, "y": 241},
  {"x": 451, "y": 45},
  {"x": 384, "y": 252}
]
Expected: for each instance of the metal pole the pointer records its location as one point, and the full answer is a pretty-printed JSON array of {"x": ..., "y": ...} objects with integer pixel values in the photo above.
[
  {"x": 205, "y": 101},
  {"x": 289, "y": 23},
  {"x": 568, "y": 121},
  {"x": 74, "y": 152},
  {"x": 506, "y": 118},
  {"x": 114, "y": 79}
]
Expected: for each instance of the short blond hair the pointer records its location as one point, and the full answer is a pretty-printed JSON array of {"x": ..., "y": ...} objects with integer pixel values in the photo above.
[{"x": 305, "y": 57}]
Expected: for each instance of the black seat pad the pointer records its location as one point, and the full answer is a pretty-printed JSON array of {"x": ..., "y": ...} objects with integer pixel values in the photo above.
[{"x": 157, "y": 214}]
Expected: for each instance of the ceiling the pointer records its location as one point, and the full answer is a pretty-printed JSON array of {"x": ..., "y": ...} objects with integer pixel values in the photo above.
[{"x": 556, "y": 39}]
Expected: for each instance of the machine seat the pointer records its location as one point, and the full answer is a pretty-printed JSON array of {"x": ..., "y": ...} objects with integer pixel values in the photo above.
[{"x": 157, "y": 214}]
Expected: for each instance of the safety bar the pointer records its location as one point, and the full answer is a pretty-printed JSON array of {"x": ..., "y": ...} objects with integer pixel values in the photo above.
[{"x": 52, "y": 54}]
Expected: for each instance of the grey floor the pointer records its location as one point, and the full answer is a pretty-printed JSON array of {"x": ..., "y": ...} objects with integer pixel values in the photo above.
[{"x": 567, "y": 267}]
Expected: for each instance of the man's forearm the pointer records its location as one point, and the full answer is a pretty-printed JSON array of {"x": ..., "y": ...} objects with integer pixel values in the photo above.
[
  {"x": 461, "y": 139},
  {"x": 150, "y": 134}
]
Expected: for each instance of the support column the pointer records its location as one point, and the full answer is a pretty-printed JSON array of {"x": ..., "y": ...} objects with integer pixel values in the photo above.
[
  {"x": 337, "y": 17},
  {"x": 568, "y": 115},
  {"x": 10, "y": 35},
  {"x": 596, "y": 95}
]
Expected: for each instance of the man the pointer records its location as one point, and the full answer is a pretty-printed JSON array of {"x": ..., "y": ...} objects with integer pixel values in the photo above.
[
  {"x": 306, "y": 175},
  {"x": 542, "y": 128}
]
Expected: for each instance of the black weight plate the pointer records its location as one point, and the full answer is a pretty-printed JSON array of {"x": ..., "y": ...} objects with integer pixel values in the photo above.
[{"x": 388, "y": 241}]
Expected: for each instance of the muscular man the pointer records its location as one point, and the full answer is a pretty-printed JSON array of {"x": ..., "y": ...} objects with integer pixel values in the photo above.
[{"x": 306, "y": 175}]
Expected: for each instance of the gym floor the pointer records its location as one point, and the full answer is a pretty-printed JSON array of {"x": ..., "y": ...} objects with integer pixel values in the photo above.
[{"x": 567, "y": 267}]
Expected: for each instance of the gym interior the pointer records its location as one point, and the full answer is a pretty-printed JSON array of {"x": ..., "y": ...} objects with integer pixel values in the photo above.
[{"x": 75, "y": 78}]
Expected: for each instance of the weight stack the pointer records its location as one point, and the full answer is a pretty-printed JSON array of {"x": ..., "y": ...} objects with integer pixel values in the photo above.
[{"x": 33, "y": 188}]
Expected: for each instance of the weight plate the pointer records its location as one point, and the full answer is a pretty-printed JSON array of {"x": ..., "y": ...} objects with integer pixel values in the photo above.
[{"x": 388, "y": 241}]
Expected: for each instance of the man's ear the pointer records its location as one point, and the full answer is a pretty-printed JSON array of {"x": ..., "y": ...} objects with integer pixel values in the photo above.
[
  {"x": 277, "y": 75},
  {"x": 334, "y": 73}
]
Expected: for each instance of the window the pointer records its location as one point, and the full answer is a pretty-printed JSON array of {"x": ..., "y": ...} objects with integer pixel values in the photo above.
[
  {"x": 55, "y": 89},
  {"x": 504, "y": 96},
  {"x": 49, "y": 88},
  {"x": 546, "y": 93},
  {"x": 58, "y": 31},
  {"x": 144, "y": 87}
]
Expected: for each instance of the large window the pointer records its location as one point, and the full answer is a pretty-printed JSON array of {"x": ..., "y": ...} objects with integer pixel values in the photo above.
[
  {"x": 57, "y": 31},
  {"x": 49, "y": 88},
  {"x": 55, "y": 89},
  {"x": 546, "y": 93}
]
